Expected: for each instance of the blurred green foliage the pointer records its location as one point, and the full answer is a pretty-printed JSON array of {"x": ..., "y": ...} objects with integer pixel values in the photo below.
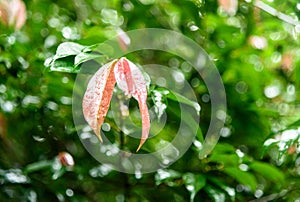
[{"x": 256, "y": 54}]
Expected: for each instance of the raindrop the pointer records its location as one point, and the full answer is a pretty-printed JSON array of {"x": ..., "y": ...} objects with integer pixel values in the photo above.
[
  {"x": 38, "y": 138},
  {"x": 283, "y": 108},
  {"x": 8, "y": 106},
  {"x": 66, "y": 100},
  {"x": 44, "y": 32},
  {"x": 272, "y": 91},
  {"x": 70, "y": 33},
  {"x": 23, "y": 62},
  {"x": 275, "y": 36},
  {"x": 110, "y": 16},
  {"x": 240, "y": 153},
  {"x": 205, "y": 98},
  {"x": 186, "y": 67},
  {"x": 258, "y": 42},
  {"x": 2, "y": 88},
  {"x": 258, "y": 193},
  {"x": 221, "y": 114},
  {"x": 120, "y": 198},
  {"x": 195, "y": 82},
  {"x": 291, "y": 89},
  {"x": 173, "y": 62},
  {"x": 87, "y": 128},
  {"x": 15, "y": 176},
  {"x": 29, "y": 99},
  {"x": 37, "y": 17},
  {"x": 50, "y": 41},
  {"x": 194, "y": 28},
  {"x": 56, "y": 165},
  {"x": 138, "y": 174},
  {"x": 190, "y": 187},
  {"x": 106, "y": 127},
  {"x": 276, "y": 57},
  {"x": 69, "y": 192},
  {"x": 244, "y": 167},
  {"x": 225, "y": 132},
  {"x": 198, "y": 144},
  {"x": 165, "y": 161},
  {"x": 60, "y": 197},
  {"x": 240, "y": 188},
  {"x": 128, "y": 6},
  {"x": 11, "y": 40},
  {"x": 32, "y": 197},
  {"x": 169, "y": 153},
  {"x": 54, "y": 22},
  {"x": 52, "y": 105},
  {"x": 201, "y": 61},
  {"x": 178, "y": 76},
  {"x": 161, "y": 81},
  {"x": 241, "y": 87}
]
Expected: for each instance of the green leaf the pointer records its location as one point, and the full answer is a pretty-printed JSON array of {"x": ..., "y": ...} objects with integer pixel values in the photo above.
[
  {"x": 229, "y": 190},
  {"x": 64, "y": 65},
  {"x": 70, "y": 48},
  {"x": 224, "y": 148},
  {"x": 227, "y": 159},
  {"x": 242, "y": 177},
  {"x": 268, "y": 171},
  {"x": 193, "y": 183},
  {"x": 83, "y": 57},
  {"x": 36, "y": 166},
  {"x": 179, "y": 98}
]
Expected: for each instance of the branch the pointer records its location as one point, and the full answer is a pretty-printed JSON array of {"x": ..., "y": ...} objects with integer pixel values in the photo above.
[{"x": 265, "y": 7}]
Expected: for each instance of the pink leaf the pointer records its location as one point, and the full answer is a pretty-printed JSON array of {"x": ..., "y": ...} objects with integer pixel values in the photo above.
[
  {"x": 97, "y": 97},
  {"x": 131, "y": 80},
  {"x": 123, "y": 39},
  {"x": 229, "y": 6},
  {"x": 13, "y": 13},
  {"x": 100, "y": 88}
]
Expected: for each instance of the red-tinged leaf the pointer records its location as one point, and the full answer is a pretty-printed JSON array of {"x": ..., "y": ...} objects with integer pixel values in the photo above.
[
  {"x": 229, "y": 6},
  {"x": 97, "y": 97},
  {"x": 131, "y": 80},
  {"x": 123, "y": 39},
  {"x": 13, "y": 13}
]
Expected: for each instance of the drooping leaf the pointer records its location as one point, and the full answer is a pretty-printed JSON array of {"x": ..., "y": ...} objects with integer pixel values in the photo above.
[
  {"x": 97, "y": 97},
  {"x": 99, "y": 91},
  {"x": 179, "y": 98},
  {"x": 242, "y": 177},
  {"x": 268, "y": 171},
  {"x": 222, "y": 184},
  {"x": 131, "y": 81},
  {"x": 70, "y": 48}
]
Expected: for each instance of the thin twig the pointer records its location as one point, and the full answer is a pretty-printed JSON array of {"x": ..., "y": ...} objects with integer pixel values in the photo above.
[{"x": 286, "y": 18}]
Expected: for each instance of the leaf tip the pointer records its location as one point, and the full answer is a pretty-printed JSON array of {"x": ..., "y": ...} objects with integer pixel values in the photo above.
[
  {"x": 97, "y": 132},
  {"x": 141, "y": 144}
]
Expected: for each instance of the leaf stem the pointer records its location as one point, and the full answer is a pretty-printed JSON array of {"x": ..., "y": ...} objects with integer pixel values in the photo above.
[{"x": 125, "y": 177}]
